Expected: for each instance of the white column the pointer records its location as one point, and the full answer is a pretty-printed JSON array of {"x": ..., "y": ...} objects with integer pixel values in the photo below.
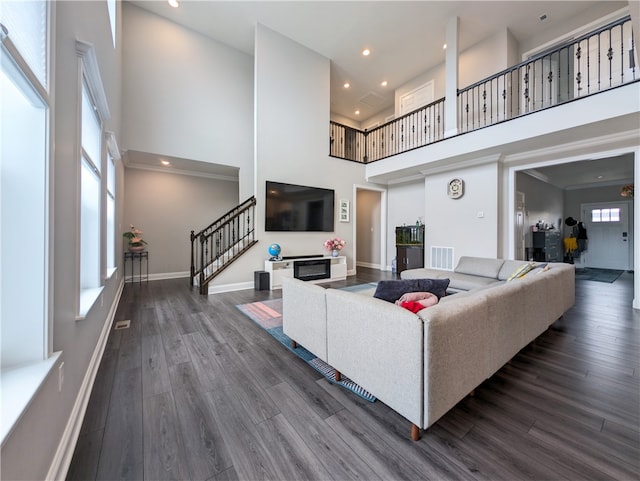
[{"x": 451, "y": 79}]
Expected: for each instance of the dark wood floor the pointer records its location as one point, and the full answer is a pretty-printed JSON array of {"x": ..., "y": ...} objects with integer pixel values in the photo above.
[{"x": 195, "y": 390}]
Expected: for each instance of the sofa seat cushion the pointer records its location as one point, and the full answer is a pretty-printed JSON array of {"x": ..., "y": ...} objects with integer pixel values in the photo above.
[
  {"x": 392, "y": 290},
  {"x": 479, "y": 266},
  {"x": 467, "y": 282}
]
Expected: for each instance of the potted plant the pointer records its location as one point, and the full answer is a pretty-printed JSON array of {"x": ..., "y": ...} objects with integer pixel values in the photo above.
[{"x": 136, "y": 242}]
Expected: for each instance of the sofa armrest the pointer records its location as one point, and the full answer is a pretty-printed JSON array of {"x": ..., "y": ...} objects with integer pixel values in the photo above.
[
  {"x": 457, "y": 338},
  {"x": 304, "y": 315},
  {"x": 379, "y": 346}
]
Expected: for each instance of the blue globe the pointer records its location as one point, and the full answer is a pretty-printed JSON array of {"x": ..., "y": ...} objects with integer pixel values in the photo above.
[{"x": 274, "y": 250}]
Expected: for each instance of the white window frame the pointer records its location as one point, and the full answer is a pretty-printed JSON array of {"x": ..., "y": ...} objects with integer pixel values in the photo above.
[
  {"x": 89, "y": 75},
  {"x": 113, "y": 156},
  {"x": 20, "y": 382},
  {"x": 112, "y": 8}
]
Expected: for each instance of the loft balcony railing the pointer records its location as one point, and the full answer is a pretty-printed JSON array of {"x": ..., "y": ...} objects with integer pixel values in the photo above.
[{"x": 595, "y": 62}]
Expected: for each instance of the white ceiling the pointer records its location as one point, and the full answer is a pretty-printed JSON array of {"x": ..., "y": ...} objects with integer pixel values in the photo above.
[
  {"x": 588, "y": 173},
  {"x": 405, "y": 38}
]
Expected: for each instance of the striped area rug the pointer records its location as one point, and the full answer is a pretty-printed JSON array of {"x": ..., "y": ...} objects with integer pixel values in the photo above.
[{"x": 268, "y": 315}]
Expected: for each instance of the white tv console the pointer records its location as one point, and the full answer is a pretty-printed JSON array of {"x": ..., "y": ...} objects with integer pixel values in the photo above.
[{"x": 285, "y": 268}]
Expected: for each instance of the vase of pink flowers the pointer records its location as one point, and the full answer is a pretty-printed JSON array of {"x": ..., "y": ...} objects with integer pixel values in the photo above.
[{"x": 334, "y": 245}]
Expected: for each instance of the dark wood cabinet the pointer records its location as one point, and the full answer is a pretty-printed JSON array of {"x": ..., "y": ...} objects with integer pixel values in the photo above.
[
  {"x": 409, "y": 247},
  {"x": 547, "y": 246}
]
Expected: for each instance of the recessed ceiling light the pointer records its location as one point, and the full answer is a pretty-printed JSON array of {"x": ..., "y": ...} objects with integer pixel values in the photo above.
[
  {"x": 384, "y": 83},
  {"x": 347, "y": 85},
  {"x": 366, "y": 52},
  {"x": 444, "y": 46},
  {"x": 165, "y": 162},
  {"x": 357, "y": 112},
  {"x": 600, "y": 177},
  {"x": 173, "y": 3}
]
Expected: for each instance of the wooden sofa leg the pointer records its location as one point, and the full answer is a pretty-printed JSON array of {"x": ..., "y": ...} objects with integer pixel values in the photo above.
[
  {"x": 338, "y": 376},
  {"x": 415, "y": 432},
  {"x": 294, "y": 344}
]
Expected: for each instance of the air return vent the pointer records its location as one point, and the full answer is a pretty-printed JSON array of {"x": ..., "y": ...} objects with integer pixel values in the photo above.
[
  {"x": 122, "y": 325},
  {"x": 442, "y": 258}
]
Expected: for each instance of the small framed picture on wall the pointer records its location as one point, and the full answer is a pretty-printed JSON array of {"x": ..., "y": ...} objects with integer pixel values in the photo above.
[{"x": 344, "y": 210}]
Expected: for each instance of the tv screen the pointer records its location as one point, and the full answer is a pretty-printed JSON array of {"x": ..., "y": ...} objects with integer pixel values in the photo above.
[{"x": 298, "y": 208}]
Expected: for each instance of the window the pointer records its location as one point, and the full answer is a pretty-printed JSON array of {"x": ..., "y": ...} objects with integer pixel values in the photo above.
[
  {"x": 26, "y": 353},
  {"x": 94, "y": 112},
  {"x": 112, "y": 155},
  {"x": 23, "y": 201},
  {"x": 111, "y": 7},
  {"x": 605, "y": 215},
  {"x": 90, "y": 196}
]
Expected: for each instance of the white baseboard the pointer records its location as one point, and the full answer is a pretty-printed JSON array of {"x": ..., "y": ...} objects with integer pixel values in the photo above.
[
  {"x": 239, "y": 286},
  {"x": 369, "y": 265},
  {"x": 169, "y": 275},
  {"x": 64, "y": 454}
]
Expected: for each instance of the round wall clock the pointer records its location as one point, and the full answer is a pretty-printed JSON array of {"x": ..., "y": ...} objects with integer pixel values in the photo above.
[{"x": 455, "y": 188}]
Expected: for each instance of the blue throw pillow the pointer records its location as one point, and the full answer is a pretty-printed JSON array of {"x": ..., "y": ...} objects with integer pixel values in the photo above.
[{"x": 392, "y": 290}]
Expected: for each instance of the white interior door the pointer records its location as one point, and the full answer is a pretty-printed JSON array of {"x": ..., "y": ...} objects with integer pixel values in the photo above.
[
  {"x": 417, "y": 97},
  {"x": 609, "y": 237}
]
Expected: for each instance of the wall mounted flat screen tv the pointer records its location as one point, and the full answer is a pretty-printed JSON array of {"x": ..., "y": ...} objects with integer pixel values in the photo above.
[{"x": 298, "y": 208}]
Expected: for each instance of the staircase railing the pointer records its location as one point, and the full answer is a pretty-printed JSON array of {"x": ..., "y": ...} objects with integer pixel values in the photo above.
[{"x": 216, "y": 246}]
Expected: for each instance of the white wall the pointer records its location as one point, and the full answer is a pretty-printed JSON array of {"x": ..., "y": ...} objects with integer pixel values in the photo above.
[
  {"x": 485, "y": 58},
  {"x": 456, "y": 222},
  {"x": 543, "y": 202},
  {"x": 186, "y": 95},
  {"x": 545, "y": 34},
  {"x": 29, "y": 452},
  {"x": 292, "y": 83},
  {"x": 406, "y": 205},
  {"x": 167, "y": 207}
]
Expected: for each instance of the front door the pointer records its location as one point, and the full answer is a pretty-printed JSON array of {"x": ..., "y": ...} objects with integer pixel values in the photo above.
[{"x": 608, "y": 235}]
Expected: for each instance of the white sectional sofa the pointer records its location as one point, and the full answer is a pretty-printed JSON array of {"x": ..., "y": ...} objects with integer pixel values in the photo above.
[{"x": 421, "y": 365}]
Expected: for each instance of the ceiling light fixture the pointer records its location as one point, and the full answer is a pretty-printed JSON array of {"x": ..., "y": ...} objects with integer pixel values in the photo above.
[
  {"x": 384, "y": 83},
  {"x": 173, "y": 3},
  {"x": 444, "y": 46},
  {"x": 366, "y": 52},
  {"x": 600, "y": 177},
  {"x": 357, "y": 112},
  {"x": 165, "y": 162},
  {"x": 347, "y": 85}
]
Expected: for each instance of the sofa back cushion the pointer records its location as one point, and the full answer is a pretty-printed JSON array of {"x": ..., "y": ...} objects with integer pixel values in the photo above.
[
  {"x": 508, "y": 268},
  {"x": 479, "y": 266},
  {"x": 392, "y": 290}
]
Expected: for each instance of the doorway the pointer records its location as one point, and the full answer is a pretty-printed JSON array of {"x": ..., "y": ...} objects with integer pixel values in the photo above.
[
  {"x": 369, "y": 228},
  {"x": 609, "y": 235}
]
